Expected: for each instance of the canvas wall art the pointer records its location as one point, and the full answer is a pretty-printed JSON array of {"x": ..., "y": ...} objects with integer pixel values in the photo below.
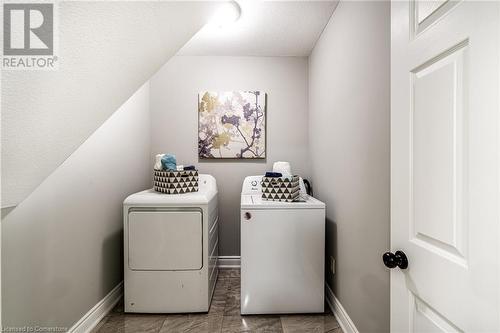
[{"x": 232, "y": 125}]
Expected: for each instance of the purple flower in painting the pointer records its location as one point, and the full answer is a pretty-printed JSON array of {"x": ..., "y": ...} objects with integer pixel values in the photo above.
[
  {"x": 204, "y": 148},
  {"x": 247, "y": 112},
  {"x": 233, "y": 120},
  {"x": 205, "y": 139}
]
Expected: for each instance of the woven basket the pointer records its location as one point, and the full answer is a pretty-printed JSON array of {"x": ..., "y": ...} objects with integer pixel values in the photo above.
[
  {"x": 280, "y": 189},
  {"x": 175, "y": 182}
]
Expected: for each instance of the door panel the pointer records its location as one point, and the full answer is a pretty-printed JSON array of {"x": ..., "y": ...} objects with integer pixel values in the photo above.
[
  {"x": 438, "y": 147},
  {"x": 445, "y": 165},
  {"x": 424, "y": 9},
  {"x": 165, "y": 240},
  {"x": 423, "y": 14},
  {"x": 425, "y": 319}
]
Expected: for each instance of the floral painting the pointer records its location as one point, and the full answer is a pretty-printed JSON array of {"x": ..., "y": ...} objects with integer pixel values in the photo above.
[{"x": 232, "y": 124}]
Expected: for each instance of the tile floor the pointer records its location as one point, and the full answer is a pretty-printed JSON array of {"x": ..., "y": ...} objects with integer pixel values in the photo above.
[{"x": 224, "y": 316}]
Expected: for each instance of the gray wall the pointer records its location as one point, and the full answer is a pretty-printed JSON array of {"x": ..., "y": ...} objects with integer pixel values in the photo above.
[
  {"x": 62, "y": 246},
  {"x": 349, "y": 146},
  {"x": 174, "y": 116}
]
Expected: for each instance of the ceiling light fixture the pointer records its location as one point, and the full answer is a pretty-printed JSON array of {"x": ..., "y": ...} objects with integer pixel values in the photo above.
[{"x": 228, "y": 13}]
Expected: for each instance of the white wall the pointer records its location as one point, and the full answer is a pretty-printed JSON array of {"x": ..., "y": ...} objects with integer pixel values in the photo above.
[
  {"x": 62, "y": 246},
  {"x": 107, "y": 51},
  {"x": 349, "y": 145},
  {"x": 174, "y": 116}
]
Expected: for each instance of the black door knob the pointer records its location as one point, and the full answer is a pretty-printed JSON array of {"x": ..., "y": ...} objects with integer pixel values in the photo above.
[{"x": 397, "y": 259}]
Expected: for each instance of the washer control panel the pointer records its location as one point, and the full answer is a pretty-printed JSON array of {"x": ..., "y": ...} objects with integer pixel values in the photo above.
[{"x": 251, "y": 185}]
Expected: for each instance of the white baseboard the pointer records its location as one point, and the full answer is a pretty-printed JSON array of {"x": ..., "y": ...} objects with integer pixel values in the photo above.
[
  {"x": 99, "y": 311},
  {"x": 339, "y": 312},
  {"x": 229, "y": 261}
]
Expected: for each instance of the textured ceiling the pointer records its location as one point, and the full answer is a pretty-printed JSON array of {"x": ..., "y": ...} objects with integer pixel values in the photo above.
[{"x": 265, "y": 28}]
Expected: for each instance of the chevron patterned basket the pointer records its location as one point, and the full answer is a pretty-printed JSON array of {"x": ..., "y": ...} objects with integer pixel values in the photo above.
[
  {"x": 175, "y": 182},
  {"x": 280, "y": 189}
]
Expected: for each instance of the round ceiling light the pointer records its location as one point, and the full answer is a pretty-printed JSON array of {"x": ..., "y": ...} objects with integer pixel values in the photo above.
[{"x": 228, "y": 13}]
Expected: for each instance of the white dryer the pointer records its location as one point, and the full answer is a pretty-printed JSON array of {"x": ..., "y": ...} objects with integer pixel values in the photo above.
[
  {"x": 282, "y": 253},
  {"x": 171, "y": 250}
]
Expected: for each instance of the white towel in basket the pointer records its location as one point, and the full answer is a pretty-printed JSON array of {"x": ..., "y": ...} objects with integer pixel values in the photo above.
[
  {"x": 158, "y": 165},
  {"x": 283, "y": 168}
]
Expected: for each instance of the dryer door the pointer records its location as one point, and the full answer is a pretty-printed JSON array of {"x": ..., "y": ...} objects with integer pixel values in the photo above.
[{"x": 165, "y": 240}]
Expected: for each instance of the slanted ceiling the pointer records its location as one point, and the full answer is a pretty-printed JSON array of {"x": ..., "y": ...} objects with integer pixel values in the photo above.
[{"x": 107, "y": 51}]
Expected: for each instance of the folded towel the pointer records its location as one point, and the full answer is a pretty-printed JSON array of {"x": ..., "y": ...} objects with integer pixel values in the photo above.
[
  {"x": 158, "y": 165},
  {"x": 169, "y": 162},
  {"x": 180, "y": 167},
  {"x": 283, "y": 168},
  {"x": 273, "y": 174},
  {"x": 189, "y": 167}
]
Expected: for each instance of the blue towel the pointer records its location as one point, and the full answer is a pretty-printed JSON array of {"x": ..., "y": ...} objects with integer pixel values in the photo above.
[
  {"x": 273, "y": 174},
  {"x": 168, "y": 162}
]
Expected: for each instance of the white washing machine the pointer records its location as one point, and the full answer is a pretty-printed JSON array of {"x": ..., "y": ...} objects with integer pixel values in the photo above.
[
  {"x": 282, "y": 253},
  {"x": 171, "y": 250}
]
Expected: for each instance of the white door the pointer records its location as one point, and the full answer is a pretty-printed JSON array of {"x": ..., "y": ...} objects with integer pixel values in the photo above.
[{"x": 445, "y": 166}]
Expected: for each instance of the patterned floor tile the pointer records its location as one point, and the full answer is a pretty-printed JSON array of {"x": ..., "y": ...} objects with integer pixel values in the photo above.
[
  {"x": 217, "y": 308},
  {"x": 337, "y": 330},
  {"x": 257, "y": 324},
  {"x": 232, "y": 307},
  {"x": 132, "y": 323},
  {"x": 193, "y": 323},
  {"x": 229, "y": 273},
  {"x": 309, "y": 323},
  {"x": 206, "y": 323}
]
